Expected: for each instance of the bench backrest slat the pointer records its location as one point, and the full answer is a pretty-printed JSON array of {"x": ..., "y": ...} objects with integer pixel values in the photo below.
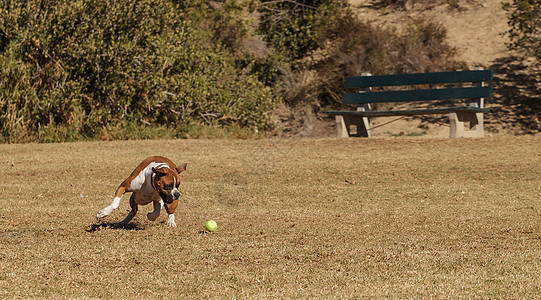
[
  {"x": 418, "y": 95},
  {"x": 419, "y": 78}
]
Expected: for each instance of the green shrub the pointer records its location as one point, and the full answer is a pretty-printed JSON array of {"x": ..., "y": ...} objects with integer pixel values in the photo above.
[
  {"x": 94, "y": 67},
  {"x": 294, "y": 28}
]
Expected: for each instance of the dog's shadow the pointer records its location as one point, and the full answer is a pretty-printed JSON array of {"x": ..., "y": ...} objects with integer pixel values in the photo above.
[{"x": 109, "y": 225}]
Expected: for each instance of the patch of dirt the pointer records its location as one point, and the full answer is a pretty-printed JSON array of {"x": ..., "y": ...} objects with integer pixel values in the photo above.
[{"x": 476, "y": 28}]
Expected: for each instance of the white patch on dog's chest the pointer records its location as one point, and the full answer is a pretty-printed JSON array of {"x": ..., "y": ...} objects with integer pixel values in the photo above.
[{"x": 144, "y": 177}]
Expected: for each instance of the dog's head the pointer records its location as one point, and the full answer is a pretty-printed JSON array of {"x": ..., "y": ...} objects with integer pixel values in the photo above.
[{"x": 166, "y": 182}]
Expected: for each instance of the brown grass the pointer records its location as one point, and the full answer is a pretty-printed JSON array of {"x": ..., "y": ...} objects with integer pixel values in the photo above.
[{"x": 298, "y": 218}]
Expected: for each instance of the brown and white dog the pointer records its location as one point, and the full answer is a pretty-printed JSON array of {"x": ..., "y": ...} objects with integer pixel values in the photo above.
[{"x": 154, "y": 180}]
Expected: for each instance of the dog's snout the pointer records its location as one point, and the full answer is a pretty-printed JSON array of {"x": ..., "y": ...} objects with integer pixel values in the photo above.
[{"x": 176, "y": 195}]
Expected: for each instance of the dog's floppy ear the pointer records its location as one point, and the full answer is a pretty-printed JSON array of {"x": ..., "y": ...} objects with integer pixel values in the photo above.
[
  {"x": 181, "y": 168},
  {"x": 159, "y": 172}
]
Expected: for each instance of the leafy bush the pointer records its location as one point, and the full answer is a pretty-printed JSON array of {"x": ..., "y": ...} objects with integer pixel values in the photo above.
[
  {"x": 525, "y": 26},
  {"x": 293, "y": 28},
  {"x": 96, "y": 67}
]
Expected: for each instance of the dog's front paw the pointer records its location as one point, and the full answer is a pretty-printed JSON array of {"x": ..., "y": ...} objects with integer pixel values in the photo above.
[
  {"x": 104, "y": 212},
  {"x": 171, "y": 221}
]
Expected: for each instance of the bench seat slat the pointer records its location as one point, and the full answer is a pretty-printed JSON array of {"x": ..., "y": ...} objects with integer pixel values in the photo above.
[
  {"x": 418, "y": 78},
  {"x": 417, "y": 95},
  {"x": 388, "y": 113}
]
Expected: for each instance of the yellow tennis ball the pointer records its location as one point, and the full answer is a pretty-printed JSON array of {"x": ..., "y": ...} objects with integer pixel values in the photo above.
[{"x": 211, "y": 226}]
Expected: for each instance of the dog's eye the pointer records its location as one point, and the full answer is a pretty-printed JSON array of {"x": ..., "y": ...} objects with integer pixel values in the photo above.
[{"x": 168, "y": 186}]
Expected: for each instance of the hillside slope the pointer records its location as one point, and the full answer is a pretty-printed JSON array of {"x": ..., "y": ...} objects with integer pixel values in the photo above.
[{"x": 476, "y": 29}]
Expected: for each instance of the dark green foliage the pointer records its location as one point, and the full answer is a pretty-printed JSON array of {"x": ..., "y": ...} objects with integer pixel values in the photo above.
[
  {"x": 294, "y": 28},
  {"x": 90, "y": 68},
  {"x": 525, "y": 26}
]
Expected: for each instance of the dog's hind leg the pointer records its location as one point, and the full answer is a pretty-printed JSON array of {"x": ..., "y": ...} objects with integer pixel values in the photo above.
[
  {"x": 114, "y": 205},
  {"x": 134, "y": 208}
]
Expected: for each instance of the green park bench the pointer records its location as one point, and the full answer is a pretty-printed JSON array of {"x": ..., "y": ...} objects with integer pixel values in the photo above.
[{"x": 465, "y": 120}]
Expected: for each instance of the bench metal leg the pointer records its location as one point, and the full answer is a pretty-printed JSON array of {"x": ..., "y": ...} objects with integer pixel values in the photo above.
[
  {"x": 458, "y": 129},
  {"x": 345, "y": 122}
]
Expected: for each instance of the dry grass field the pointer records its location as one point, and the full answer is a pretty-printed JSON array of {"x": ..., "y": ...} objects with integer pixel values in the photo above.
[{"x": 298, "y": 218}]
